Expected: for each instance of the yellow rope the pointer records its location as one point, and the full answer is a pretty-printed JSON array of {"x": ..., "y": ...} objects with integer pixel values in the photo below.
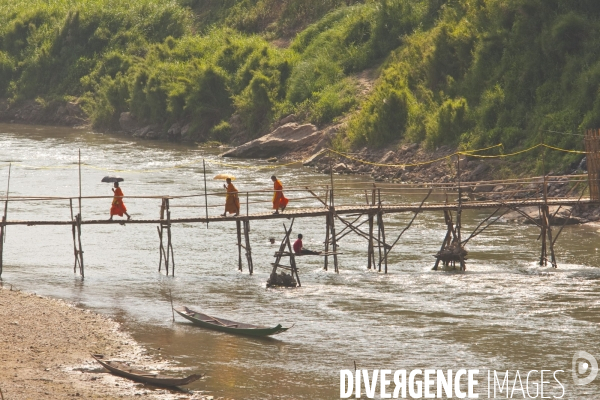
[
  {"x": 470, "y": 153},
  {"x": 565, "y": 150},
  {"x": 464, "y": 152}
]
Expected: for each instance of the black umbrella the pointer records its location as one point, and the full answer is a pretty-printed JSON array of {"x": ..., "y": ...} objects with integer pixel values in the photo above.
[{"x": 112, "y": 179}]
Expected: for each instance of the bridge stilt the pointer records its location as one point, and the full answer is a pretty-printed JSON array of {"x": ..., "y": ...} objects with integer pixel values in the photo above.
[
  {"x": 371, "y": 251},
  {"x": 167, "y": 255},
  {"x": 79, "y": 250},
  {"x": 284, "y": 279},
  {"x": 246, "y": 224},
  {"x": 547, "y": 239},
  {"x": 327, "y": 233},
  {"x": 451, "y": 250},
  {"x": 238, "y": 226}
]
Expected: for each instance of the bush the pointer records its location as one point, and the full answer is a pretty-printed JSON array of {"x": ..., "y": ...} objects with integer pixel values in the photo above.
[{"x": 383, "y": 118}]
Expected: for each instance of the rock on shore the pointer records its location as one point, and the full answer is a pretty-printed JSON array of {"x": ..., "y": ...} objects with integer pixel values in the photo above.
[{"x": 285, "y": 138}]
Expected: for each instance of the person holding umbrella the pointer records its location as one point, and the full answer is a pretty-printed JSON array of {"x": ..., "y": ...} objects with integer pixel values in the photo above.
[
  {"x": 118, "y": 207},
  {"x": 279, "y": 200},
  {"x": 232, "y": 201}
]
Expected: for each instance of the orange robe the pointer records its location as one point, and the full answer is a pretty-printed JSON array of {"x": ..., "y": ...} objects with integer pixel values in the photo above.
[
  {"x": 118, "y": 208},
  {"x": 232, "y": 201},
  {"x": 279, "y": 200}
]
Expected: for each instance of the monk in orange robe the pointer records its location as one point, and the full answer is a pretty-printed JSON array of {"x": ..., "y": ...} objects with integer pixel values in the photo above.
[
  {"x": 118, "y": 208},
  {"x": 279, "y": 200},
  {"x": 232, "y": 201}
]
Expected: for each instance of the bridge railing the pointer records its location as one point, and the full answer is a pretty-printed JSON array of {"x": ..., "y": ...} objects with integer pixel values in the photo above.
[{"x": 361, "y": 194}]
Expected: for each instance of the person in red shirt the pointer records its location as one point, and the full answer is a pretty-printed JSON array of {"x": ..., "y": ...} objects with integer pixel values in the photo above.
[{"x": 299, "y": 250}]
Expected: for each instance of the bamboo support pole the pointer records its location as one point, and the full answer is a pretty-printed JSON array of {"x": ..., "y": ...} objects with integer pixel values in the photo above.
[
  {"x": 385, "y": 251},
  {"x": 248, "y": 248},
  {"x": 370, "y": 251},
  {"x": 73, "y": 232},
  {"x": 349, "y": 226},
  {"x": 80, "y": 182},
  {"x": 238, "y": 227},
  {"x": 292, "y": 256},
  {"x": 282, "y": 245},
  {"x": 334, "y": 243},
  {"x": 80, "y": 250},
  {"x": 161, "y": 248},
  {"x": 3, "y": 224},
  {"x": 327, "y": 232},
  {"x": 379, "y": 223},
  {"x": 410, "y": 223}
]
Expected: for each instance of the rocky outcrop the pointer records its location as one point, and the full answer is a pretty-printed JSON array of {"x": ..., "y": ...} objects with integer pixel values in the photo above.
[
  {"x": 130, "y": 124},
  {"x": 285, "y": 138},
  {"x": 33, "y": 112}
]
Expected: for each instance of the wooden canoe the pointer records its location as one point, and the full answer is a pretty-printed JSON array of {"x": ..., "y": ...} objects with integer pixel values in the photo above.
[
  {"x": 125, "y": 371},
  {"x": 224, "y": 325}
]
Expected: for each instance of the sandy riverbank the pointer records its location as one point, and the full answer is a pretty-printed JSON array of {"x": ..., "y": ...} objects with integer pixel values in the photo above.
[{"x": 45, "y": 353}]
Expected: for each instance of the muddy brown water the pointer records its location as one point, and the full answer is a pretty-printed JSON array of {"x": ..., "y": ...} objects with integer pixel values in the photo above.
[{"x": 504, "y": 313}]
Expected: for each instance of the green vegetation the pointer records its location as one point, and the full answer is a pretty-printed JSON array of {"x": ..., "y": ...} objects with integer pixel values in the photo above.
[{"x": 468, "y": 73}]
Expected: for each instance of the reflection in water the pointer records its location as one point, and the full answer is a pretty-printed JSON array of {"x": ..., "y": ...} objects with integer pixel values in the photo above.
[{"x": 503, "y": 313}]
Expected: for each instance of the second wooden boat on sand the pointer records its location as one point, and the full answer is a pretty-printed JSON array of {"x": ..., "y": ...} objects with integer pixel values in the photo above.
[
  {"x": 224, "y": 325},
  {"x": 125, "y": 371}
]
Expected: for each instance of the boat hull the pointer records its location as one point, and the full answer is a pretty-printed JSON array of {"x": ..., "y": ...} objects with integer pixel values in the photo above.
[
  {"x": 227, "y": 326},
  {"x": 125, "y": 371}
]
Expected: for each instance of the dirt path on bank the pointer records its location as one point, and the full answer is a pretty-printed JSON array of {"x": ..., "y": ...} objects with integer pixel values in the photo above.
[{"x": 45, "y": 347}]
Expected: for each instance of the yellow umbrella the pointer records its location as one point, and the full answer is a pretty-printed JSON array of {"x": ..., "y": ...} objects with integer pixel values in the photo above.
[{"x": 225, "y": 176}]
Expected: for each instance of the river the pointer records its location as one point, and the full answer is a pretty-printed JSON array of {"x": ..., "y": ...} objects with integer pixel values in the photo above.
[{"x": 503, "y": 313}]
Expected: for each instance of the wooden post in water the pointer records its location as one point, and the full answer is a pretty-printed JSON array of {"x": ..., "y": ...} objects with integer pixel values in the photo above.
[
  {"x": 169, "y": 244},
  {"x": 3, "y": 224},
  {"x": 73, "y": 232},
  {"x": 238, "y": 226},
  {"x": 332, "y": 227},
  {"x": 80, "y": 182},
  {"x": 379, "y": 226},
  {"x": 370, "y": 251},
  {"x": 80, "y": 250},
  {"x": 167, "y": 255},
  {"x": 161, "y": 248},
  {"x": 463, "y": 266},
  {"x": 294, "y": 268},
  {"x": 248, "y": 248},
  {"x": 327, "y": 232}
]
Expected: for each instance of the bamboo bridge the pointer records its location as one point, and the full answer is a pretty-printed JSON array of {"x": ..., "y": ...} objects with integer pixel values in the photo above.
[{"x": 373, "y": 201}]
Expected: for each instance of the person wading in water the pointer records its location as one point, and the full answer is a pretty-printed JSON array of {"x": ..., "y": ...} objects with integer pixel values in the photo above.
[{"x": 300, "y": 251}]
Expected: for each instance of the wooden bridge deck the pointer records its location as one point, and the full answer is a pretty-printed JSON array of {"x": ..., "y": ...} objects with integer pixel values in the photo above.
[{"x": 341, "y": 210}]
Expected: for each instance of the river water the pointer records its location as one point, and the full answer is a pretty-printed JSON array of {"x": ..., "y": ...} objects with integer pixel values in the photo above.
[{"x": 504, "y": 313}]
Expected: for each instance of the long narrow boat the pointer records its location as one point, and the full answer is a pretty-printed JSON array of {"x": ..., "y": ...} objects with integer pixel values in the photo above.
[
  {"x": 125, "y": 371},
  {"x": 224, "y": 325}
]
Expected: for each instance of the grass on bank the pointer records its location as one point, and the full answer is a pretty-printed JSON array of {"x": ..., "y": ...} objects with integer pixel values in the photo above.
[{"x": 469, "y": 73}]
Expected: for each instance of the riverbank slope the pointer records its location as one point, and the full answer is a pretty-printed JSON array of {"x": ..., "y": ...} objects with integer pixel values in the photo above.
[{"x": 46, "y": 346}]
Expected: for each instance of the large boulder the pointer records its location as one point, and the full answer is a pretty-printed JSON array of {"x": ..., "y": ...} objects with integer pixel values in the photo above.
[
  {"x": 129, "y": 122},
  {"x": 288, "y": 137}
]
